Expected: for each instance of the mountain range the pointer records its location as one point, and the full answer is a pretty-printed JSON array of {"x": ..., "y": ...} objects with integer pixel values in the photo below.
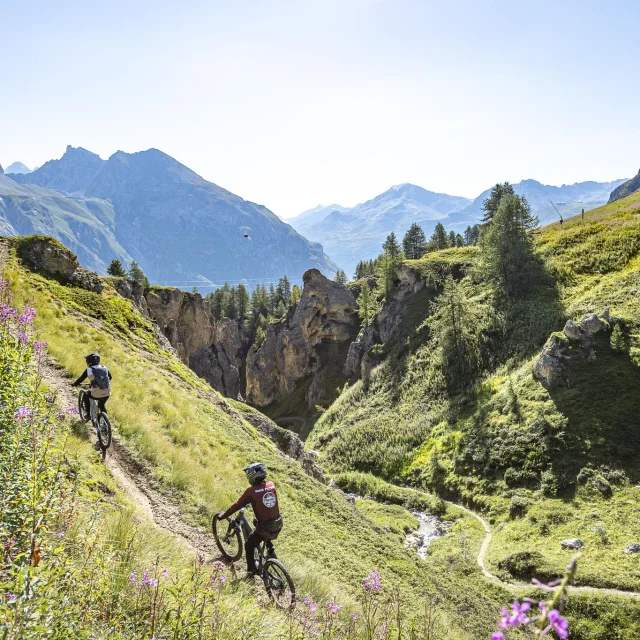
[
  {"x": 18, "y": 167},
  {"x": 352, "y": 234},
  {"x": 147, "y": 206}
]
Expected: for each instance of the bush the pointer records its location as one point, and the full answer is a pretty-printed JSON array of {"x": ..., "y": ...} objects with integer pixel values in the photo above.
[
  {"x": 524, "y": 564},
  {"x": 518, "y": 506},
  {"x": 617, "y": 339}
]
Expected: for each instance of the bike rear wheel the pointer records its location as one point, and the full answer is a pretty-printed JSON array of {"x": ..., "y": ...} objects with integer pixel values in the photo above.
[
  {"x": 279, "y": 584},
  {"x": 227, "y": 538},
  {"x": 104, "y": 431},
  {"x": 82, "y": 409}
]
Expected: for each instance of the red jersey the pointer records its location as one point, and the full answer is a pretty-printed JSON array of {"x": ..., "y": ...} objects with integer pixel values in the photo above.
[{"x": 263, "y": 498}]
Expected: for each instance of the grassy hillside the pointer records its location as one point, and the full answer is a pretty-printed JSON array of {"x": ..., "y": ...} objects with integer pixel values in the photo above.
[
  {"x": 530, "y": 458},
  {"x": 193, "y": 445}
]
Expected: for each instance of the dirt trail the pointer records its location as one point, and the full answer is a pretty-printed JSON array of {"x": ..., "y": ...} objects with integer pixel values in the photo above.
[
  {"x": 521, "y": 585},
  {"x": 132, "y": 477}
]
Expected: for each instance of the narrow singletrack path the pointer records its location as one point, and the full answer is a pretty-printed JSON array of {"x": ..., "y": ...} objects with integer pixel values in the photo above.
[{"x": 521, "y": 585}]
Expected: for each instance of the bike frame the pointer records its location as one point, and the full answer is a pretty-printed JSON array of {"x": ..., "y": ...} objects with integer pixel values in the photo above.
[{"x": 240, "y": 522}]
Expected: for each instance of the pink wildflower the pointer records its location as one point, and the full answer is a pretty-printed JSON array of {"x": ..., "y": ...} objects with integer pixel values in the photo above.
[
  {"x": 372, "y": 582},
  {"x": 332, "y": 607}
]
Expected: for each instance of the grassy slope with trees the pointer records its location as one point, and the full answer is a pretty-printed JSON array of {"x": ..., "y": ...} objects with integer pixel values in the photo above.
[
  {"x": 194, "y": 445},
  {"x": 464, "y": 417}
]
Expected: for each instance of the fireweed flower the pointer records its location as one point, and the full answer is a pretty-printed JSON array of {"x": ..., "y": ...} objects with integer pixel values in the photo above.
[
  {"x": 71, "y": 410},
  {"x": 133, "y": 579},
  {"x": 372, "y": 582},
  {"x": 23, "y": 413},
  {"x": 27, "y": 316},
  {"x": 559, "y": 624},
  {"x": 354, "y": 617},
  {"x": 39, "y": 346},
  {"x": 497, "y": 635},
  {"x": 165, "y": 574},
  {"x": 311, "y": 605},
  {"x": 11, "y": 597},
  {"x": 516, "y": 616},
  {"x": 332, "y": 607},
  {"x": 221, "y": 580}
]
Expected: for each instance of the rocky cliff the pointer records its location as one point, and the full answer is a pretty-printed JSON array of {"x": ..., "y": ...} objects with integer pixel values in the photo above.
[
  {"x": 208, "y": 347},
  {"x": 626, "y": 189},
  {"x": 386, "y": 324},
  {"x": 301, "y": 352}
]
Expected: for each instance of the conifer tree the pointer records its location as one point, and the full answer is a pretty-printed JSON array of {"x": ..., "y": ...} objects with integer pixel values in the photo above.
[
  {"x": 283, "y": 290},
  {"x": 136, "y": 275},
  {"x": 391, "y": 260},
  {"x": 260, "y": 337},
  {"x": 490, "y": 205},
  {"x": 341, "y": 277},
  {"x": 453, "y": 325},
  {"x": 414, "y": 242},
  {"x": 439, "y": 239},
  {"x": 366, "y": 305},
  {"x": 243, "y": 302},
  {"x": 507, "y": 246},
  {"x": 116, "y": 269},
  {"x": 273, "y": 299},
  {"x": 296, "y": 294},
  {"x": 459, "y": 241},
  {"x": 452, "y": 238}
]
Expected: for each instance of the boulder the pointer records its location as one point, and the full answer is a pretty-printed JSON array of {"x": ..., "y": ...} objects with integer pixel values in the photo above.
[
  {"x": 549, "y": 367},
  {"x": 591, "y": 324},
  {"x": 48, "y": 256},
  {"x": 572, "y": 330},
  {"x": 634, "y": 547},
  {"x": 294, "y": 350},
  {"x": 572, "y": 543}
]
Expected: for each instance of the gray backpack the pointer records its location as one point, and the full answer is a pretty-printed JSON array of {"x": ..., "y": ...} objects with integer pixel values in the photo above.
[{"x": 101, "y": 376}]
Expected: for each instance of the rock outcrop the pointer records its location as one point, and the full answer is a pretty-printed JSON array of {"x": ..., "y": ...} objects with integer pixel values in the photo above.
[
  {"x": 625, "y": 189},
  {"x": 50, "y": 257},
  {"x": 551, "y": 369},
  {"x": 208, "y": 347},
  {"x": 361, "y": 359},
  {"x": 293, "y": 348}
]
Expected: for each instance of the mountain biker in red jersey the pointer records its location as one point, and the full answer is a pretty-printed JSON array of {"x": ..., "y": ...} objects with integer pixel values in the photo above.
[{"x": 263, "y": 497}]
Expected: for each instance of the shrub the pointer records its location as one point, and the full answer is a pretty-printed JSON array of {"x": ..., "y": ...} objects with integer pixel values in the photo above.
[
  {"x": 518, "y": 506},
  {"x": 524, "y": 564},
  {"x": 617, "y": 339}
]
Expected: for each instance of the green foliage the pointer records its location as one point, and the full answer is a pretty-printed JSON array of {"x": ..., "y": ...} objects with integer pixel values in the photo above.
[
  {"x": 617, "y": 341},
  {"x": 341, "y": 277},
  {"x": 454, "y": 326},
  {"x": 472, "y": 235},
  {"x": 507, "y": 255},
  {"x": 136, "y": 276},
  {"x": 260, "y": 337},
  {"x": 116, "y": 269},
  {"x": 414, "y": 243},
  {"x": 365, "y": 269},
  {"x": 439, "y": 239},
  {"x": 390, "y": 261},
  {"x": 491, "y": 204},
  {"x": 366, "y": 305}
]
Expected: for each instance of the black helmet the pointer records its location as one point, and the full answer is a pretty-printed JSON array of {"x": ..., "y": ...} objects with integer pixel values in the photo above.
[
  {"x": 256, "y": 472},
  {"x": 92, "y": 359}
]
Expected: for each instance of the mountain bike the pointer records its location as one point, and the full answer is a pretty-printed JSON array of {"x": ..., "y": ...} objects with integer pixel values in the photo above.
[
  {"x": 99, "y": 419},
  {"x": 229, "y": 536}
]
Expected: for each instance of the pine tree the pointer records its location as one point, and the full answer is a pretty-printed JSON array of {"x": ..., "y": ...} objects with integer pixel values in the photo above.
[
  {"x": 273, "y": 299},
  {"x": 341, "y": 277},
  {"x": 116, "y": 269},
  {"x": 507, "y": 246},
  {"x": 459, "y": 241},
  {"x": 136, "y": 276},
  {"x": 453, "y": 325},
  {"x": 414, "y": 242},
  {"x": 281, "y": 310},
  {"x": 283, "y": 291},
  {"x": 296, "y": 294},
  {"x": 452, "y": 238},
  {"x": 260, "y": 337},
  {"x": 366, "y": 305},
  {"x": 490, "y": 205},
  {"x": 243, "y": 302},
  {"x": 617, "y": 339},
  {"x": 391, "y": 260},
  {"x": 439, "y": 239}
]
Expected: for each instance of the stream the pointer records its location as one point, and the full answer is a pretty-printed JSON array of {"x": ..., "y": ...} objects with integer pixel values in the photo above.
[{"x": 430, "y": 527}]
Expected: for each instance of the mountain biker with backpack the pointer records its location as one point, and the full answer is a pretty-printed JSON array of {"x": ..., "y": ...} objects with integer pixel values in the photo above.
[
  {"x": 100, "y": 378},
  {"x": 263, "y": 497}
]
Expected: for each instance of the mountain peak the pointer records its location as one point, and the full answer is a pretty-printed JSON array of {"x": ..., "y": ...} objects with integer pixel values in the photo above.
[{"x": 18, "y": 167}]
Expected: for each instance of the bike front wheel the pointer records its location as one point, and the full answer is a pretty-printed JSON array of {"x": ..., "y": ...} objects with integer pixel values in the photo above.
[
  {"x": 104, "y": 431},
  {"x": 279, "y": 584},
  {"x": 82, "y": 409},
  {"x": 227, "y": 538}
]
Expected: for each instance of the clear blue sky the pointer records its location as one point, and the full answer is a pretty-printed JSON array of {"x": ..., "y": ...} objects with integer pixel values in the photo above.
[{"x": 292, "y": 104}]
